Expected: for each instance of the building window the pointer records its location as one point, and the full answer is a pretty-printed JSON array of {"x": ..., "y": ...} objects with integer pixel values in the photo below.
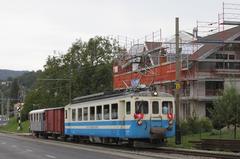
[
  {"x": 85, "y": 113},
  {"x": 114, "y": 111},
  {"x": 141, "y": 107},
  {"x": 231, "y": 57},
  {"x": 186, "y": 110},
  {"x": 79, "y": 114},
  {"x": 155, "y": 107},
  {"x": 106, "y": 112},
  {"x": 213, "y": 88},
  {"x": 99, "y": 112},
  {"x": 128, "y": 107},
  {"x": 73, "y": 114},
  {"x": 92, "y": 113}
]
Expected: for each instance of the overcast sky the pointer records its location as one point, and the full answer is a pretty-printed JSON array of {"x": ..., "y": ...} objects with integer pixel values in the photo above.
[{"x": 31, "y": 29}]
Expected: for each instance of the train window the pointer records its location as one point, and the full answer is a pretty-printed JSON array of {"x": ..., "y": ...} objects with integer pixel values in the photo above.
[
  {"x": 141, "y": 107},
  {"x": 79, "y": 114},
  {"x": 65, "y": 114},
  {"x": 73, "y": 114},
  {"x": 114, "y": 111},
  {"x": 37, "y": 117},
  {"x": 106, "y": 112},
  {"x": 128, "y": 108},
  {"x": 92, "y": 113},
  {"x": 167, "y": 107},
  {"x": 99, "y": 112},
  {"x": 155, "y": 107},
  {"x": 85, "y": 113}
]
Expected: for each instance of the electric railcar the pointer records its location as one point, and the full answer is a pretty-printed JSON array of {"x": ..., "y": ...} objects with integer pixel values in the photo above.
[
  {"x": 133, "y": 116},
  {"x": 101, "y": 117}
]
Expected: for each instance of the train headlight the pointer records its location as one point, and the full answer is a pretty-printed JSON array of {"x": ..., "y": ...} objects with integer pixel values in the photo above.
[
  {"x": 155, "y": 93},
  {"x": 139, "y": 122}
]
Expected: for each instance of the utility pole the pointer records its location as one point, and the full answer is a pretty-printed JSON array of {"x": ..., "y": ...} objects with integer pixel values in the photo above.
[
  {"x": 8, "y": 105},
  {"x": 2, "y": 113},
  {"x": 177, "y": 92},
  {"x": 1, "y": 103}
]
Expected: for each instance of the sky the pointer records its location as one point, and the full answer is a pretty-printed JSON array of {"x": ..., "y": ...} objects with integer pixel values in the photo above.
[{"x": 30, "y": 30}]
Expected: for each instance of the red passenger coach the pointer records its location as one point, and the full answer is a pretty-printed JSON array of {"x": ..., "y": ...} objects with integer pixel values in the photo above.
[{"x": 54, "y": 121}]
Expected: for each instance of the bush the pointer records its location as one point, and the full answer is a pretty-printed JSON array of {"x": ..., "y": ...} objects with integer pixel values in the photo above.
[
  {"x": 206, "y": 125},
  {"x": 195, "y": 125},
  {"x": 184, "y": 128}
]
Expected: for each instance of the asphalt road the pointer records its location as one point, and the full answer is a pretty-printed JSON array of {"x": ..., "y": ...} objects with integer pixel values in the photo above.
[{"x": 16, "y": 147}]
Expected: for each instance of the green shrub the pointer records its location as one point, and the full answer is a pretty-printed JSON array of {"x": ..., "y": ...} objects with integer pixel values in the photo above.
[
  {"x": 194, "y": 124},
  {"x": 206, "y": 125},
  {"x": 184, "y": 128}
]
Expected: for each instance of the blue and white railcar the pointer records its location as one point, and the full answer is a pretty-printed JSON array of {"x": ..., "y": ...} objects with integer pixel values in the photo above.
[{"x": 136, "y": 115}]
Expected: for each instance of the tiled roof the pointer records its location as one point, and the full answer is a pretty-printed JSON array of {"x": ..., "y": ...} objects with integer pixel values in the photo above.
[
  {"x": 153, "y": 45},
  {"x": 220, "y": 36}
]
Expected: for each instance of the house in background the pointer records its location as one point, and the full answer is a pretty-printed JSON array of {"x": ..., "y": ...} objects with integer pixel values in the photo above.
[{"x": 208, "y": 66}]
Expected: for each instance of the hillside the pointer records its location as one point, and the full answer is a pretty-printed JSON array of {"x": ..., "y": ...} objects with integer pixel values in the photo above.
[{"x": 5, "y": 74}]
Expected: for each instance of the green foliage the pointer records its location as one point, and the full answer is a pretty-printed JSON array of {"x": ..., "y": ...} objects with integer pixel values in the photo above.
[
  {"x": 206, "y": 125},
  {"x": 195, "y": 125},
  {"x": 13, "y": 125},
  {"x": 85, "y": 69},
  {"x": 226, "y": 110}
]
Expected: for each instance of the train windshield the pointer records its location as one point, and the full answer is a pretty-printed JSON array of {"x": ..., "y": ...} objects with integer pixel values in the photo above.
[
  {"x": 167, "y": 107},
  {"x": 141, "y": 107}
]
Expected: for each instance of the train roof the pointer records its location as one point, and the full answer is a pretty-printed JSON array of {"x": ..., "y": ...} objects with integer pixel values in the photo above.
[
  {"x": 37, "y": 111},
  {"x": 43, "y": 110},
  {"x": 105, "y": 95}
]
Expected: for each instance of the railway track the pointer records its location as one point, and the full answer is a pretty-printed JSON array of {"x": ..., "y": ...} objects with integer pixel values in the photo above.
[{"x": 156, "y": 151}]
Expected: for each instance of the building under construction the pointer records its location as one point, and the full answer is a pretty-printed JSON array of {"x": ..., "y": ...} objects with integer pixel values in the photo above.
[
  {"x": 209, "y": 63},
  {"x": 213, "y": 65}
]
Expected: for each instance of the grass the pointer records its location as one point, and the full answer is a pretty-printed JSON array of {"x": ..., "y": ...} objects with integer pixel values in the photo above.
[
  {"x": 226, "y": 134},
  {"x": 13, "y": 125}
]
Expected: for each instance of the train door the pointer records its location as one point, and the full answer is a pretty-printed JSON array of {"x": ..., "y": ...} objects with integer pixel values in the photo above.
[
  {"x": 155, "y": 114},
  {"x": 127, "y": 113}
]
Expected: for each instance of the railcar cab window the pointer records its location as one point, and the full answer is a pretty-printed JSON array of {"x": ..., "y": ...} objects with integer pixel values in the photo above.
[
  {"x": 85, "y": 113},
  {"x": 92, "y": 113},
  {"x": 141, "y": 107},
  {"x": 167, "y": 107},
  {"x": 99, "y": 112},
  {"x": 155, "y": 107},
  {"x": 106, "y": 112},
  {"x": 114, "y": 111},
  {"x": 128, "y": 108},
  {"x": 73, "y": 114},
  {"x": 79, "y": 114}
]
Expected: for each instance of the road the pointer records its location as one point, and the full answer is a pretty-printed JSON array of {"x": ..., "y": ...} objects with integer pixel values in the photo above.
[{"x": 18, "y": 147}]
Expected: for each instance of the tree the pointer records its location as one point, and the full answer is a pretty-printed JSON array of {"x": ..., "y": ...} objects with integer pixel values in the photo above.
[
  {"x": 226, "y": 110},
  {"x": 85, "y": 69}
]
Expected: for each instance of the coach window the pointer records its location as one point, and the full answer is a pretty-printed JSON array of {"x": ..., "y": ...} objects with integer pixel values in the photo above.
[
  {"x": 128, "y": 107},
  {"x": 141, "y": 107},
  {"x": 99, "y": 112},
  {"x": 79, "y": 114},
  {"x": 73, "y": 114},
  {"x": 114, "y": 111},
  {"x": 92, "y": 113},
  {"x": 106, "y": 112},
  {"x": 167, "y": 107},
  {"x": 155, "y": 107},
  {"x": 85, "y": 113},
  {"x": 37, "y": 117}
]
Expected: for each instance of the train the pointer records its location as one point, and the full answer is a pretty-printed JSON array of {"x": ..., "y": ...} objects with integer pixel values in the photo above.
[{"x": 109, "y": 117}]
